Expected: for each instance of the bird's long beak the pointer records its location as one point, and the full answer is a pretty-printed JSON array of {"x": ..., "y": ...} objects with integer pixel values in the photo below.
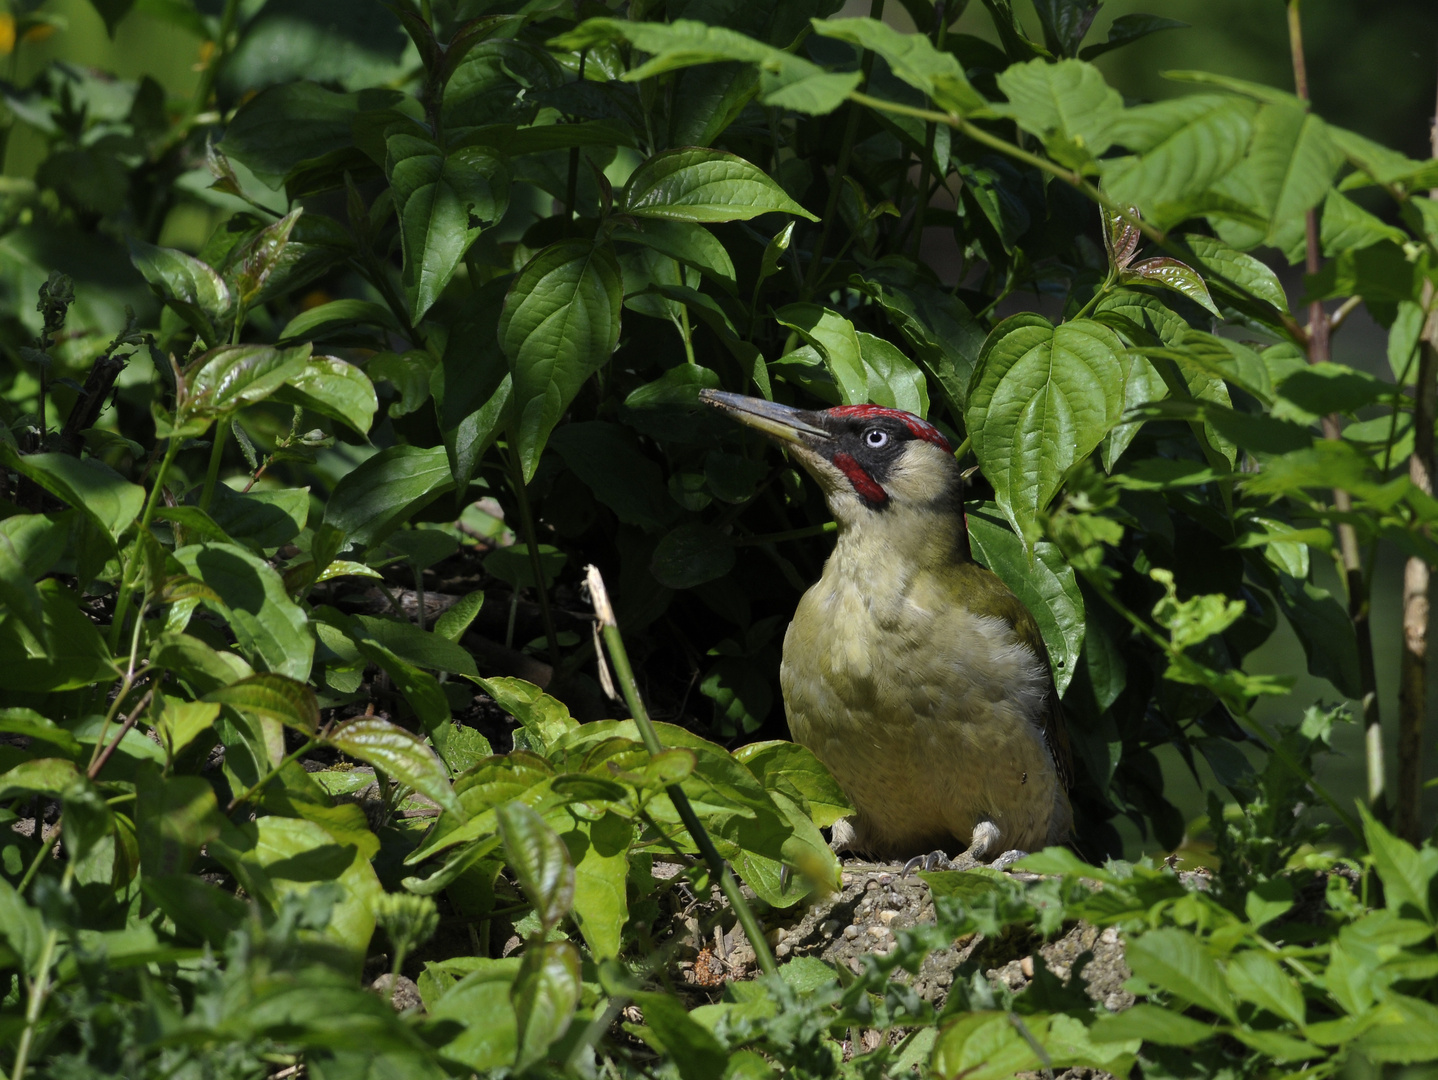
[{"x": 783, "y": 422}]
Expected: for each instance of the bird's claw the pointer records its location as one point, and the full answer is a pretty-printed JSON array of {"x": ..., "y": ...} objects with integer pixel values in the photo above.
[
  {"x": 1008, "y": 858},
  {"x": 934, "y": 860}
]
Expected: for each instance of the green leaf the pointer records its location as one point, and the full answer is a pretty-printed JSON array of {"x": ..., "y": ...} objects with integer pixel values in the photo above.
[
  {"x": 1043, "y": 581},
  {"x": 1288, "y": 170},
  {"x": 416, "y": 646},
  {"x": 688, "y": 242},
  {"x": 1040, "y": 400},
  {"x": 290, "y": 702},
  {"x": 791, "y": 768},
  {"x": 539, "y": 860},
  {"x": 1181, "y": 147},
  {"x": 190, "y": 286},
  {"x": 442, "y": 201},
  {"x": 263, "y": 519},
  {"x": 175, "y": 817},
  {"x": 337, "y": 315},
  {"x": 599, "y": 851},
  {"x": 893, "y": 380},
  {"x": 700, "y": 185},
  {"x": 1258, "y": 978},
  {"x": 76, "y": 655},
  {"x": 420, "y": 689},
  {"x": 31, "y": 724},
  {"x": 545, "y": 719},
  {"x": 270, "y": 627},
  {"x": 1235, "y": 274},
  {"x": 224, "y": 379},
  {"x": 545, "y": 994},
  {"x": 1347, "y": 226},
  {"x": 334, "y": 388},
  {"x": 1127, "y": 29},
  {"x": 941, "y": 331},
  {"x": 912, "y": 58},
  {"x": 43, "y": 776},
  {"x": 559, "y": 325},
  {"x": 179, "y": 722},
  {"x": 608, "y": 459},
  {"x": 1324, "y": 388},
  {"x": 90, "y": 486},
  {"x": 1174, "y": 960},
  {"x": 284, "y": 125},
  {"x": 384, "y": 491},
  {"x": 837, "y": 343},
  {"x": 17, "y": 590},
  {"x": 1406, "y": 1032},
  {"x": 691, "y": 555},
  {"x": 400, "y": 756},
  {"x": 786, "y": 81},
  {"x": 987, "y": 1046},
  {"x": 1151, "y": 1023},
  {"x": 455, "y": 620},
  {"x": 1068, "y": 105},
  {"x": 1407, "y": 874}
]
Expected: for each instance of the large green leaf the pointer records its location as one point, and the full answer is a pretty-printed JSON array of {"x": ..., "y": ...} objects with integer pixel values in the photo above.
[
  {"x": 545, "y": 995},
  {"x": 837, "y": 343},
  {"x": 559, "y": 325},
  {"x": 382, "y": 492},
  {"x": 270, "y": 626},
  {"x": 90, "y": 486},
  {"x": 599, "y": 850},
  {"x": 400, "y": 755},
  {"x": 913, "y": 58},
  {"x": 1288, "y": 170},
  {"x": 71, "y": 653},
  {"x": 539, "y": 860},
  {"x": 231, "y": 376},
  {"x": 700, "y": 185},
  {"x": 1040, "y": 400},
  {"x": 1182, "y": 146},
  {"x": 442, "y": 202},
  {"x": 333, "y": 388},
  {"x": 1043, "y": 581},
  {"x": 1175, "y": 961},
  {"x": 281, "y": 126},
  {"x": 187, "y": 284},
  {"x": 1068, "y": 105},
  {"x": 785, "y": 80}
]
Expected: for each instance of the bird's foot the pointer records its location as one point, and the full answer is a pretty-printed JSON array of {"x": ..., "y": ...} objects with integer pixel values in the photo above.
[
  {"x": 939, "y": 860},
  {"x": 1008, "y": 858}
]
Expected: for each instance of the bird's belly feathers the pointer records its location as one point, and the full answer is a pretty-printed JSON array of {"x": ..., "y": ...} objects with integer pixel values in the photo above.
[{"x": 925, "y": 713}]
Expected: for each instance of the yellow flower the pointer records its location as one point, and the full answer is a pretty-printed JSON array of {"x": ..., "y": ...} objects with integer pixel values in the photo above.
[{"x": 7, "y": 34}]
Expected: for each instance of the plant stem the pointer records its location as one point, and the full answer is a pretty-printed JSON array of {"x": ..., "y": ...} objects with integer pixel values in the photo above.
[
  {"x": 39, "y": 988},
  {"x": 619, "y": 660},
  {"x": 1358, "y": 598},
  {"x": 211, "y": 71},
  {"x": 930, "y": 131},
  {"x": 1413, "y": 667},
  {"x": 531, "y": 541},
  {"x": 40, "y": 856},
  {"x": 259, "y": 784},
  {"x": 841, "y": 169},
  {"x": 217, "y": 453},
  {"x": 122, "y": 599}
]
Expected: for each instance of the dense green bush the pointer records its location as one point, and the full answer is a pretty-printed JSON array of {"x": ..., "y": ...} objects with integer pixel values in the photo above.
[{"x": 466, "y": 267}]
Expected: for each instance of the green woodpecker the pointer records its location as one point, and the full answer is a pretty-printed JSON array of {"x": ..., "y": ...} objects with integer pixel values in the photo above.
[{"x": 912, "y": 672}]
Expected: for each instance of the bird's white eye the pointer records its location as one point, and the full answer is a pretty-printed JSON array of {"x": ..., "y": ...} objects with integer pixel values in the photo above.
[{"x": 876, "y": 438}]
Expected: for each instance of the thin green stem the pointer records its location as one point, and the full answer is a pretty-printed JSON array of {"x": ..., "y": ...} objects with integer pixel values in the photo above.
[
  {"x": 39, "y": 988},
  {"x": 206, "y": 86},
  {"x": 122, "y": 599},
  {"x": 1098, "y": 294},
  {"x": 259, "y": 784},
  {"x": 531, "y": 541},
  {"x": 217, "y": 453},
  {"x": 624, "y": 674},
  {"x": 841, "y": 169},
  {"x": 46, "y": 848},
  {"x": 687, "y": 334}
]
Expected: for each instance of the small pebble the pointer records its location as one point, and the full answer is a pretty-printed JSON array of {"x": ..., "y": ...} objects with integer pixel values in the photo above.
[
  {"x": 1026, "y": 965},
  {"x": 886, "y": 917},
  {"x": 871, "y": 884},
  {"x": 879, "y": 931},
  {"x": 851, "y": 932},
  {"x": 781, "y": 950},
  {"x": 885, "y": 879}
]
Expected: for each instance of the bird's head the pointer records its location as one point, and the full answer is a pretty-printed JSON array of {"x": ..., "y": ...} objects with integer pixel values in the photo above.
[{"x": 872, "y": 463}]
